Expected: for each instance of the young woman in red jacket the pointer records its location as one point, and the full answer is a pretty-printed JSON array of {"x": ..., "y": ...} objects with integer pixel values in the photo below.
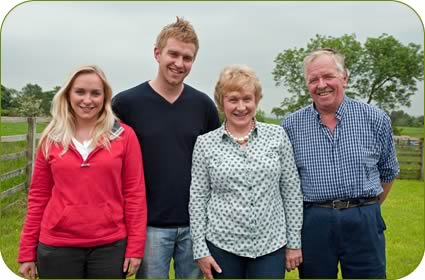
[{"x": 86, "y": 205}]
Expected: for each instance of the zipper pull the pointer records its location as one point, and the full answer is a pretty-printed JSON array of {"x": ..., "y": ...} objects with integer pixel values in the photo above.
[{"x": 84, "y": 164}]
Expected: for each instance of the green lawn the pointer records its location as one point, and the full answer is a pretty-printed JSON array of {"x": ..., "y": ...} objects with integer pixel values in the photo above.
[
  {"x": 417, "y": 132},
  {"x": 403, "y": 212}
]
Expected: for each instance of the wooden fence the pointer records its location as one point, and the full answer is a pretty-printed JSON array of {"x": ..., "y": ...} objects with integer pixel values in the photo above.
[
  {"x": 410, "y": 153},
  {"x": 29, "y": 153}
]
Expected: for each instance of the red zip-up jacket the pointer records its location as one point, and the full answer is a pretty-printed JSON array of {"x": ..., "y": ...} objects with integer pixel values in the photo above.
[{"x": 77, "y": 203}]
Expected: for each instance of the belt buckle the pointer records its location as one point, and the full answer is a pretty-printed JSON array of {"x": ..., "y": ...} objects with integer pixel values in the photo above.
[{"x": 339, "y": 204}]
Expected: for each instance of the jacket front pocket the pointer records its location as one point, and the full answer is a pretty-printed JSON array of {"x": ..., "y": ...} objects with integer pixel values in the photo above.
[{"x": 84, "y": 221}]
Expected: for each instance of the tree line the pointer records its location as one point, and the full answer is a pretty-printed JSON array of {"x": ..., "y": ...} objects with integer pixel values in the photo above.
[
  {"x": 30, "y": 101},
  {"x": 383, "y": 71}
]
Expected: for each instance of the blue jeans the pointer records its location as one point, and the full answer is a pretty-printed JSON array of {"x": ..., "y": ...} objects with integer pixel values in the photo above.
[
  {"x": 270, "y": 266},
  {"x": 162, "y": 244},
  {"x": 354, "y": 237}
]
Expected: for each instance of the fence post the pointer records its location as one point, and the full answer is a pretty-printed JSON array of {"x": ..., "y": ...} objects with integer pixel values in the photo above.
[
  {"x": 31, "y": 140},
  {"x": 421, "y": 146}
]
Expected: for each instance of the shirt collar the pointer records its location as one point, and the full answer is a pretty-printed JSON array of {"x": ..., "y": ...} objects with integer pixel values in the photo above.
[{"x": 339, "y": 112}]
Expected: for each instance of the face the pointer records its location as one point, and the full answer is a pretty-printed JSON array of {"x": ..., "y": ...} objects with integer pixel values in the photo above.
[
  {"x": 325, "y": 84},
  {"x": 175, "y": 61},
  {"x": 87, "y": 97},
  {"x": 239, "y": 109}
]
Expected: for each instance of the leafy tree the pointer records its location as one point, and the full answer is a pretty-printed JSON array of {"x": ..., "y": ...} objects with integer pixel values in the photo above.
[
  {"x": 383, "y": 71},
  {"x": 420, "y": 121},
  {"x": 400, "y": 118},
  {"x": 278, "y": 112},
  {"x": 8, "y": 100},
  {"x": 33, "y": 100},
  {"x": 260, "y": 116},
  {"x": 46, "y": 100},
  {"x": 29, "y": 106}
]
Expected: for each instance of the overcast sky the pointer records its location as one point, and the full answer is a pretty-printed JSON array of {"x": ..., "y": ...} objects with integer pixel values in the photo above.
[{"x": 42, "y": 42}]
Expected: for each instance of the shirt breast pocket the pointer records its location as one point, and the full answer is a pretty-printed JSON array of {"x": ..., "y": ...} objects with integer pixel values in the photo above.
[
  {"x": 370, "y": 160},
  {"x": 217, "y": 171},
  {"x": 271, "y": 162}
]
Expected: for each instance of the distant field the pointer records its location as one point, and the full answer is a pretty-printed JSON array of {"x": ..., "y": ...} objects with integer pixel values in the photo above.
[
  {"x": 273, "y": 121},
  {"x": 18, "y": 128},
  {"x": 417, "y": 132}
]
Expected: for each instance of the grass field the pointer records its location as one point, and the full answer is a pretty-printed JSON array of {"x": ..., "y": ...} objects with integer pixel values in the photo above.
[
  {"x": 417, "y": 132},
  {"x": 18, "y": 128},
  {"x": 403, "y": 213}
]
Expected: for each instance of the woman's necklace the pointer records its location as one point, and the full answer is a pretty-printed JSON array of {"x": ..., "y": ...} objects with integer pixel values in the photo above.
[{"x": 240, "y": 140}]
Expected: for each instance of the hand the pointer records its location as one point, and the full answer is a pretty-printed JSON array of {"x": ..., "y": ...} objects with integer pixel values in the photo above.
[
  {"x": 28, "y": 270},
  {"x": 294, "y": 258},
  {"x": 206, "y": 264},
  {"x": 131, "y": 265}
]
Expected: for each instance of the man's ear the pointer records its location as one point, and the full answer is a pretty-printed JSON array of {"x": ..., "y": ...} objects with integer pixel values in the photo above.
[
  {"x": 346, "y": 77},
  {"x": 156, "y": 53}
]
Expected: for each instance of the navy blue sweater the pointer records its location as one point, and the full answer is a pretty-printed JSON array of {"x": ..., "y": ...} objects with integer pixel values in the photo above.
[{"x": 167, "y": 134}]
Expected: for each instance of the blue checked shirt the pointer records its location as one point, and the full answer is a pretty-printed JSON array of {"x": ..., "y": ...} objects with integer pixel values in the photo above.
[
  {"x": 350, "y": 163},
  {"x": 248, "y": 200}
]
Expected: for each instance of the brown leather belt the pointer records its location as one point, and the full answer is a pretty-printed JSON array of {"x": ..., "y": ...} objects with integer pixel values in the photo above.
[{"x": 343, "y": 203}]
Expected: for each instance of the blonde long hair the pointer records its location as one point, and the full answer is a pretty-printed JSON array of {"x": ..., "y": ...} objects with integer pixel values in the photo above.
[{"x": 60, "y": 129}]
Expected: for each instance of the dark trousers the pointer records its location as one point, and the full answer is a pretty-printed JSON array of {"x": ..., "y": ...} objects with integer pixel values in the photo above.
[
  {"x": 270, "y": 266},
  {"x": 101, "y": 262},
  {"x": 354, "y": 237}
]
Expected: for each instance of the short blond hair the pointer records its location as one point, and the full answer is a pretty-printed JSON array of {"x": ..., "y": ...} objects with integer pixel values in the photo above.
[
  {"x": 236, "y": 78},
  {"x": 180, "y": 30}
]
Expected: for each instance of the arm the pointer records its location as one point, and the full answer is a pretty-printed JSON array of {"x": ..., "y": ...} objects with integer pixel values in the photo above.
[
  {"x": 387, "y": 165},
  {"x": 200, "y": 193},
  {"x": 387, "y": 187},
  {"x": 293, "y": 203},
  {"x": 135, "y": 209},
  {"x": 39, "y": 195}
]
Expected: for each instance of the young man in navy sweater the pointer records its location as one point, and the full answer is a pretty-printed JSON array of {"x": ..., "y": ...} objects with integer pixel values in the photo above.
[{"x": 167, "y": 116}]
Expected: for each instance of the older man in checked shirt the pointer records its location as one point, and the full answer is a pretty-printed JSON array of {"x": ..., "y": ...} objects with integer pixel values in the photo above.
[{"x": 346, "y": 159}]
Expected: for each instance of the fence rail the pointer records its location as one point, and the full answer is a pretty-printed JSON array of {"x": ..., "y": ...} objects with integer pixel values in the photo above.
[{"x": 31, "y": 138}]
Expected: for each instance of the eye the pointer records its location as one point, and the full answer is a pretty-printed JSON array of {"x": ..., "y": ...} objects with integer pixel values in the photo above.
[
  {"x": 313, "y": 81},
  {"x": 188, "y": 58},
  {"x": 96, "y": 93},
  {"x": 173, "y": 54},
  {"x": 79, "y": 91},
  {"x": 329, "y": 77}
]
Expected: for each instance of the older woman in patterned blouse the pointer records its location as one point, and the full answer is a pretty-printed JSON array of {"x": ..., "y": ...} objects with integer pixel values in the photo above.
[{"x": 246, "y": 203}]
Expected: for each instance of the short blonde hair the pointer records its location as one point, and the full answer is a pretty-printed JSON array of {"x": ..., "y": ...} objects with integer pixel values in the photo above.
[
  {"x": 236, "y": 78},
  {"x": 61, "y": 128},
  {"x": 180, "y": 30}
]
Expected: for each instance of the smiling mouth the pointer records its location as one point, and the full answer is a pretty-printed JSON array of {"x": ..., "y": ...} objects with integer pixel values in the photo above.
[
  {"x": 324, "y": 92},
  {"x": 87, "y": 108},
  {"x": 178, "y": 72}
]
